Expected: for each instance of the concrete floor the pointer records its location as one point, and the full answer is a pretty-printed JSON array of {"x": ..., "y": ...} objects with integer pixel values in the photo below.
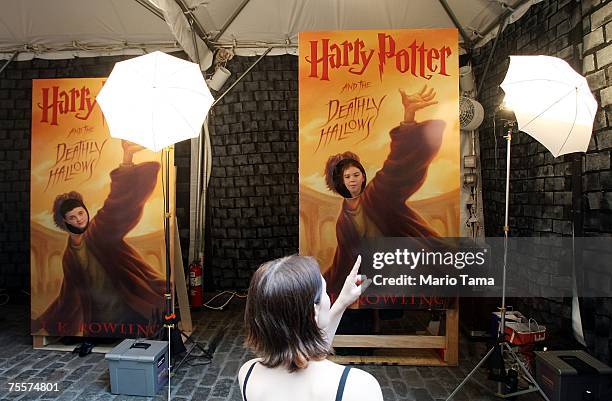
[{"x": 87, "y": 378}]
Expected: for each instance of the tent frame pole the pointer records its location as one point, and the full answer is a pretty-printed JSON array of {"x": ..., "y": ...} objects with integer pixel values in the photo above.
[
  {"x": 502, "y": 18},
  {"x": 193, "y": 21},
  {"x": 449, "y": 11},
  {"x": 230, "y": 20},
  {"x": 148, "y": 6},
  {"x": 486, "y": 69},
  {"x": 8, "y": 61},
  {"x": 241, "y": 76}
]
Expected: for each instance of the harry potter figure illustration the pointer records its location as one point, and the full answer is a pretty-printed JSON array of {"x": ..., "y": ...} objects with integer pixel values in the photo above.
[
  {"x": 378, "y": 208},
  {"x": 105, "y": 280}
]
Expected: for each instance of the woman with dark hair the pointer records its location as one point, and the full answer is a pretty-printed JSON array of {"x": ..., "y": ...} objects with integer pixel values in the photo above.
[
  {"x": 290, "y": 326},
  {"x": 378, "y": 208}
]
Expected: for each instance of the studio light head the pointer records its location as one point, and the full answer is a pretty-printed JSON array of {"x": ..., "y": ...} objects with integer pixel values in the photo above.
[{"x": 219, "y": 78}]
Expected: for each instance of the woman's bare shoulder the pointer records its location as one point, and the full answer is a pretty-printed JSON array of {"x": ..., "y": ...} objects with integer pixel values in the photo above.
[
  {"x": 361, "y": 386},
  {"x": 244, "y": 368}
]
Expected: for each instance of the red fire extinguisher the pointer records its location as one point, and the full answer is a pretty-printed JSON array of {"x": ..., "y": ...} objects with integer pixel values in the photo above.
[{"x": 195, "y": 284}]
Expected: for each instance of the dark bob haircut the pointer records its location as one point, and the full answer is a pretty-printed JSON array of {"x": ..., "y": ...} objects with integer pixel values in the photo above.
[{"x": 279, "y": 316}]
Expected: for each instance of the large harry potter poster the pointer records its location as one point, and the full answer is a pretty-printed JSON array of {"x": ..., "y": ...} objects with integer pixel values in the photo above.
[
  {"x": 378, "y": 141},
  {"x": 97, "y": 243}
]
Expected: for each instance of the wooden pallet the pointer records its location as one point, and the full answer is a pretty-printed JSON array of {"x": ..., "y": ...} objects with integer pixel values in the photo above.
[
  {"x": 50, "y": 343},
  {"x": 424, "y": 350}
]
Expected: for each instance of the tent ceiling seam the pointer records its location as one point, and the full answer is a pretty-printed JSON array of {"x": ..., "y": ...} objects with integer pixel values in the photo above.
[
  {"x": 75, "y": 45},
  {"x": 238, "y": 44}
]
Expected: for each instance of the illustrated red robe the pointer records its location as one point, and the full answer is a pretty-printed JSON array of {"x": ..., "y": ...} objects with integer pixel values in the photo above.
[
  {"x": 412, "y": 148},
  {"x": 138, "y": 284}
]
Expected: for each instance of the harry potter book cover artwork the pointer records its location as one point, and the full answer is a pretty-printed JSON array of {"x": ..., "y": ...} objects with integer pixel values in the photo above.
[
  {"x": 97, "y": 244},
  {"x": 378, "y": 141}
]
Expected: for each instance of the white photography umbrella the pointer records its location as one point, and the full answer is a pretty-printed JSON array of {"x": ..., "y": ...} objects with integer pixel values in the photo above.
[
  {"x": 551, "y": 102},
  {"x": 155, "y": 100}
]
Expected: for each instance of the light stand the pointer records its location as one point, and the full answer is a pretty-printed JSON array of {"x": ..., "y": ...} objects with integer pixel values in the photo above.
[
  {"x": 169, "y": 317},
  {"x": 173, "y": 334},
  {"x": 170, "y": 323},
  {"x": 501, "y": 344}
]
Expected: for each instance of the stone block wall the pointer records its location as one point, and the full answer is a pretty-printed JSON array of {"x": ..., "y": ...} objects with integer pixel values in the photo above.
[
  {"x": 253, "y": 193},
  {"x": 597, "y": 177},
  {"x": 597, "y": 67}
]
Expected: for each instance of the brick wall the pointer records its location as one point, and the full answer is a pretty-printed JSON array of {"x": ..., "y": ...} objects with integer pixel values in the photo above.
[
  {"x": 597, "y": 180},
  {"x": 598, "y": 70},
  {"x": 15, "y": 123},
  {"x": 545, "y": 190},
  {"x": 253, "y": 193}
]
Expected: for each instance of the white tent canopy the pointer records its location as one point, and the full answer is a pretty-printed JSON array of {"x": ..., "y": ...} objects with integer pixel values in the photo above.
[{"x": 78, "y": 28}]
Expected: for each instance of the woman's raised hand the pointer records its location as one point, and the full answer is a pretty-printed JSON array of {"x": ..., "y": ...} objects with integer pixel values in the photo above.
[{"x": 354, "y": 285}]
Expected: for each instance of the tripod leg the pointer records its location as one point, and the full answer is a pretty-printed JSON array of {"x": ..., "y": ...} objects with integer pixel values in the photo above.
[
  {"x": 176, "y": 367},
  {"x": 196, "y": 344},
  {"x": 205, "y": 352},
  {"x": 484, "y": 358},
  {"x": 526, "y": 371}
]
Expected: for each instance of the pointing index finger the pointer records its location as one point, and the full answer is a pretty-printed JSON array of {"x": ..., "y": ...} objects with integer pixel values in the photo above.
[{"x": 355, "y": 269}]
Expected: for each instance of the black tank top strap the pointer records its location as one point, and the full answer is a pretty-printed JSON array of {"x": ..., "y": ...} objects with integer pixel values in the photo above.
[
  {"x": 246, "y": 379},
  {"x": 342, "y": 383}
]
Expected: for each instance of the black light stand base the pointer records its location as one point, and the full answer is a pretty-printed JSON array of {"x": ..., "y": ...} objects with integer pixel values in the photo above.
[
  {"x": 176, "y": 341},
  {"x": 177, "y": 345},
  {"x": 496, "y": 363},
  {"x": 204, "y": 353}
]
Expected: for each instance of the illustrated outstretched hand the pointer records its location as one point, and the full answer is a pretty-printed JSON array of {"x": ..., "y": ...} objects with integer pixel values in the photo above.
[
  {"x": 417, "y": 101},
  {"x": 354, "y": 285},
  {"x": 129, "y": 148}
]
